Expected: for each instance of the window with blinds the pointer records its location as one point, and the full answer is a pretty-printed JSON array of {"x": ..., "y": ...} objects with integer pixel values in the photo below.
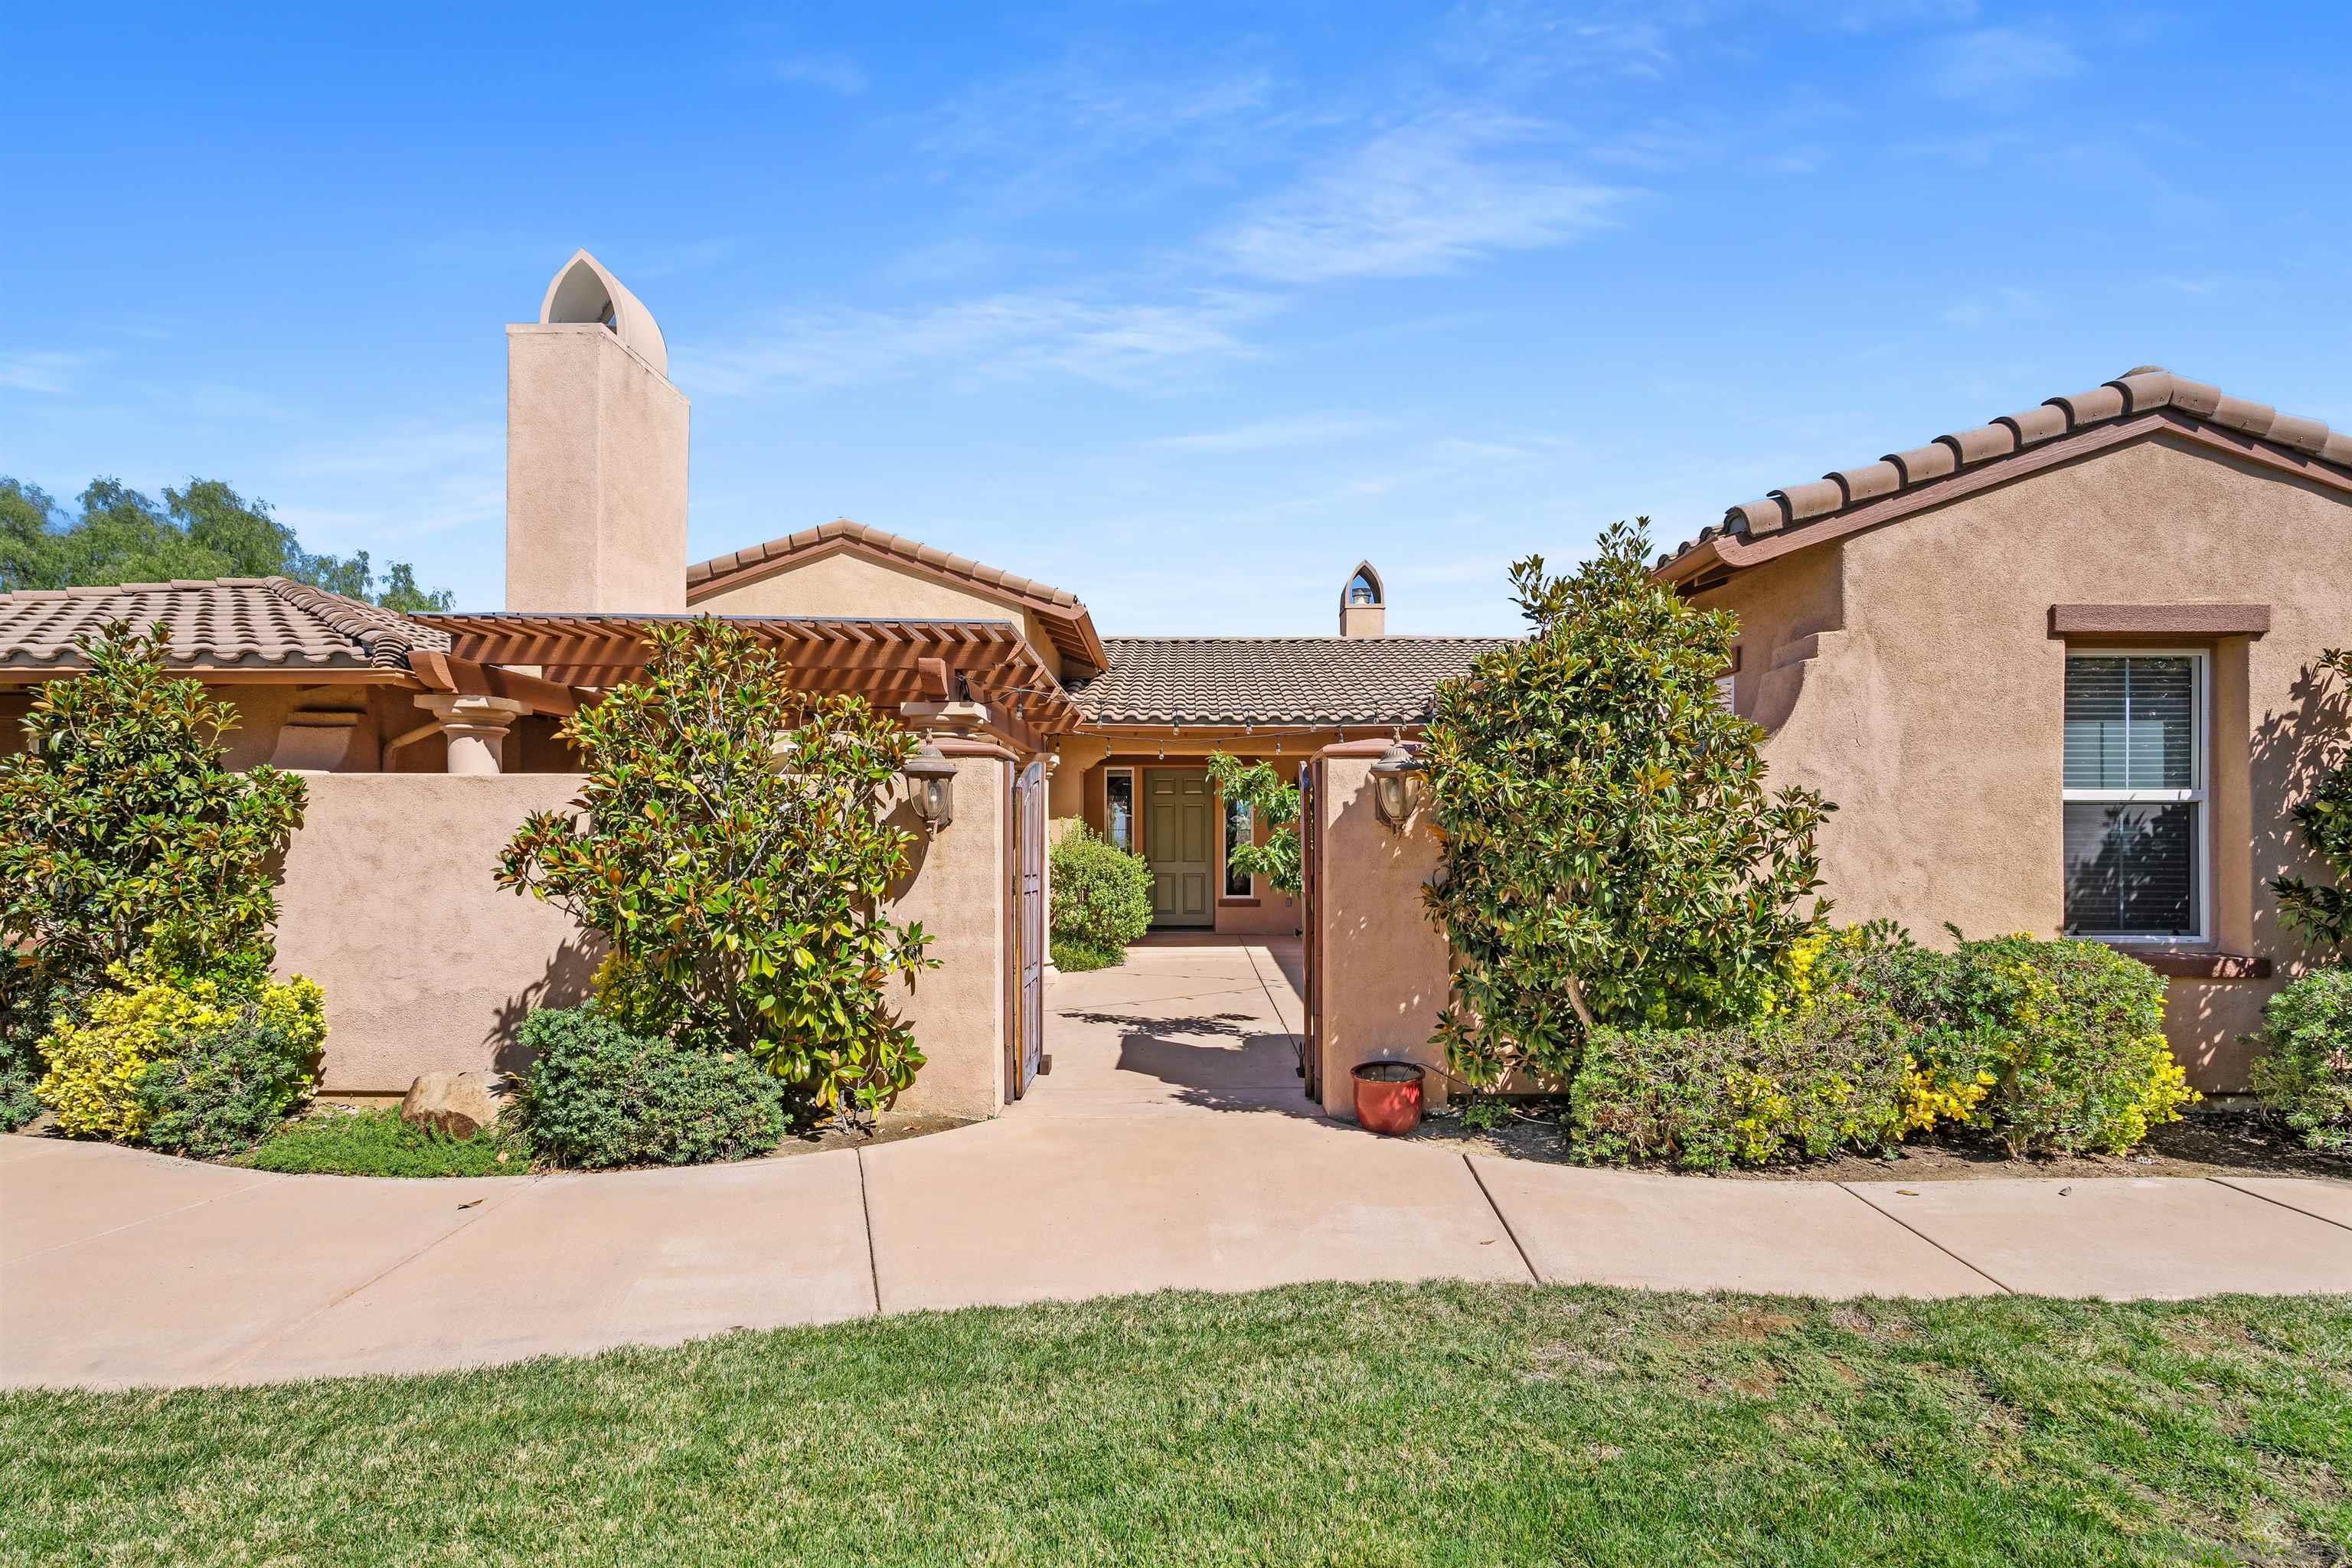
[{"x": 2135, "y": 796}]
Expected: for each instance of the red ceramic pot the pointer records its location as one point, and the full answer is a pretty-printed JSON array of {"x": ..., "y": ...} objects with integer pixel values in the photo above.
[{"x": 1388, "y": 1096}]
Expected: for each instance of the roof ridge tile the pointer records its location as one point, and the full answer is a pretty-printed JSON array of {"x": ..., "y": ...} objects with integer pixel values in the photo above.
[{"x": 2142, "y": 389}]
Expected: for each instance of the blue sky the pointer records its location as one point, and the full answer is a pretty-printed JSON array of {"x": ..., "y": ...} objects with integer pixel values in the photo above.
[{"x": 1182, "y": 307}]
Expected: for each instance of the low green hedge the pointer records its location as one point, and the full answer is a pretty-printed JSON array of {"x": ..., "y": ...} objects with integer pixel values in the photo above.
[
  {"x": 597, "y": 1096},
  {"x": 2050, "y": 1047},
  {"x": 1706, "y": 1099},
  {"x": 1101, "y": 902},
  {"x": 2305, "y": 1077}
]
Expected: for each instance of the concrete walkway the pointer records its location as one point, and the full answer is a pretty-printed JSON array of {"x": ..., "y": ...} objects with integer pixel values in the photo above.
[{"x": 1169, "y": 1147}]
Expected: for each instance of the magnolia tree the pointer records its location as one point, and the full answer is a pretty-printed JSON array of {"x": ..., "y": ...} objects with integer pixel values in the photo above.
[
  {"x": 129, "y": 852},
  {"x": 2320, "y": 912},
  {"x": 1273, "y": 801},
  {"x": 734, "y": 853},
  {"x": 1612, "y": 855}
]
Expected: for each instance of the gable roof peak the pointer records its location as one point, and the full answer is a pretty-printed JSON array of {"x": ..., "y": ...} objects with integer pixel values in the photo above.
[
  {"x": 1795, "y": 514},
  {"x": 1066, "y": 616}
]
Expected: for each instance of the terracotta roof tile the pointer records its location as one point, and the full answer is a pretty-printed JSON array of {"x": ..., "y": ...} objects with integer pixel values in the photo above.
[
  {"x": 1272, "y": 680},
  {"x": 1067, "y": 619},
  {"x": 889, "y": 544},
  {"x": 226, "y": 623},
  {"x": 2142, "y": 390}
]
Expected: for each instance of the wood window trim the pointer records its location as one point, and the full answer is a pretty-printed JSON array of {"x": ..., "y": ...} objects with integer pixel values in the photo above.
[
  {"x": 2199, "y": 795},
  {"x": 2179, "y": 620},
  {"x": 2196, "y": 964}
]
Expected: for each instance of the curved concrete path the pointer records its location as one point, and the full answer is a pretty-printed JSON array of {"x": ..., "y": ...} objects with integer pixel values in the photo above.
[{"x": 1169, "y": 1147}]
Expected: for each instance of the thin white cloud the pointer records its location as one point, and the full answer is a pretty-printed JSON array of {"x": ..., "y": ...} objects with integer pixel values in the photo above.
[
  {"x": 1006, "y": 336},
  {"x": 1418, "y": 200},
  {"x": 1997, "y": 67},
  {"x": 1995, "y": 306},
  {"x": 46, "y": 372},
  {"x": 399, "y": 481},
  {"x": 834, "y": 73},
  {"x": 1281, "y": 435}
]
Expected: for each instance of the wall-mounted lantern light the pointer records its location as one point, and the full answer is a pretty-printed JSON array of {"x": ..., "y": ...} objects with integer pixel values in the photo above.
[
  {"x": 1398, "y": 785},
  {"x": 931, "y": 785}
]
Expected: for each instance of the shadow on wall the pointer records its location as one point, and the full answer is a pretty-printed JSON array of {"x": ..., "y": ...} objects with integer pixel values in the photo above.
[
  {"x": 568, "y": 980},
  {"x": 2292, "y": 753}
]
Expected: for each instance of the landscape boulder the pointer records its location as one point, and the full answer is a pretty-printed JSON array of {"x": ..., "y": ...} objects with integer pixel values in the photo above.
[{"x": 457, "y": 1103}]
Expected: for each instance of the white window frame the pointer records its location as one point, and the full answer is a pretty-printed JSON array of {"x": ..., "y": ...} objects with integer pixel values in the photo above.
[
  {"x": 1225, "y": 893},
  {"x": 2200, "y": 794},
  {"x": 1134, "y": 804}
]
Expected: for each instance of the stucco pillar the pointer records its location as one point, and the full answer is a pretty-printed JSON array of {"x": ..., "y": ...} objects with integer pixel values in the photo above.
[
  {"x": 1385, "y": 966},
  {"x": 956, "y": 885},
  {"x": 476, "y": 728}
]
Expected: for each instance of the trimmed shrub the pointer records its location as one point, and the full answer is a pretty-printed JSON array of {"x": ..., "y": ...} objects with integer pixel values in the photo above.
[
  {"x": 379, "y": 1143},
  {"x": 230, "y": 1084},
  {"x": 2053, "y": 1047},
  {"x": 596, "y": 1095},
  {"x": 1102, "y": 900},
  {"x": 2305, "y": 1078},
  {"x": 1804, "y": 1087},
  {"x": 2072, "y": 1033},
  {"x": 214, "y": 1065}
]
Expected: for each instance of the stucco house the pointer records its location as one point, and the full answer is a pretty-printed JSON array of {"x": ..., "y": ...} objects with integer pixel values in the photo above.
[
  {"x": 2058, "y": 673},
  {"x": 2054, "y": 670}
]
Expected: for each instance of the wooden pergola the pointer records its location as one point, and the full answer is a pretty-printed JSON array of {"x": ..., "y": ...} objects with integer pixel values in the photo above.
[{"x": 888, "y": 662}]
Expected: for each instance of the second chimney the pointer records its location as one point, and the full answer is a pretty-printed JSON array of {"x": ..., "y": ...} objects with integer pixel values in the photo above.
[{"x": 1363, "y": 607}]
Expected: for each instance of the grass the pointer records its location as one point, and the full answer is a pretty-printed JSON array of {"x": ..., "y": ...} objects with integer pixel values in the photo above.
[
  {"x": 379, "y": 1143},
  {"x": 1075, "y": 955},
  {"x": 1331, "y": 1424}
]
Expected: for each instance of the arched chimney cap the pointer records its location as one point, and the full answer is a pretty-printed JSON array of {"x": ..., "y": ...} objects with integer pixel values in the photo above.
[
  {"x": 583, "y": 291},
  {"x": 1372, "y": 578}
]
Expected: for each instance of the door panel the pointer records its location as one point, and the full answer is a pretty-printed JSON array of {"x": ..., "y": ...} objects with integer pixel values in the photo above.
[
  {"x": 1179, "y": 840},
  {"x": 1028, "y": 954}
]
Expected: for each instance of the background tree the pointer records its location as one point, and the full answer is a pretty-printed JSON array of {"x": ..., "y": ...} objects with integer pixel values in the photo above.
[
  {"x": 734, "y": 854},
  {"x": 1272, "y": 801},
  {"x": 205, "y": 529},
  {"x": 1612, "y": 855},
  {"x": 2323, "y": 914}
]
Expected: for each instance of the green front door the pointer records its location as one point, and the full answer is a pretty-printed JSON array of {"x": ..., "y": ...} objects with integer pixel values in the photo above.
[{"x": 1179, "y": 839}]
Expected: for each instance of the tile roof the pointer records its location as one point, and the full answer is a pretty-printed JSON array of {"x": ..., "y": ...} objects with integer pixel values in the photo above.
[
  {"x": 1272, "y": 680},
  {"x": 2138, "y": 392},
  {"x": 929, "y": 555},
  {"x": 1065, "y": 614},
  {"x": 224, "y": 622}
]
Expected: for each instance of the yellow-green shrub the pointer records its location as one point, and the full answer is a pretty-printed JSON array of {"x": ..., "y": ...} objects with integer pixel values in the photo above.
[{"x": 100, "y": 1064}]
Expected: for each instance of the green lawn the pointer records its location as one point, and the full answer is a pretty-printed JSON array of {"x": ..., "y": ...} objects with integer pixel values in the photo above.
[
  {"x": 379, "y": 1143},
  {"x": 1448, "y": 1424}
]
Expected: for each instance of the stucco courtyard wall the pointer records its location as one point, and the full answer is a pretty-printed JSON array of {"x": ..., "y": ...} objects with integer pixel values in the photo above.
[
  {"x": 387, "y": 900},
  {"x": 1384, "y": 963},
  {"x": 1908, "y": 672}
]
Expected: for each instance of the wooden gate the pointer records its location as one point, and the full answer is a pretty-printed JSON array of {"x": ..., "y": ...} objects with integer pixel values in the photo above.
[
  {"x": 1026, "y": 1049},
  {"x": 1310, "y": 915}
]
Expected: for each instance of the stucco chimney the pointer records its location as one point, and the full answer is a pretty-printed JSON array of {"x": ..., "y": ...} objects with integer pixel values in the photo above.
[
  {"x": 1363, "y": 604},
  {"x": 596, "y": 453}
]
